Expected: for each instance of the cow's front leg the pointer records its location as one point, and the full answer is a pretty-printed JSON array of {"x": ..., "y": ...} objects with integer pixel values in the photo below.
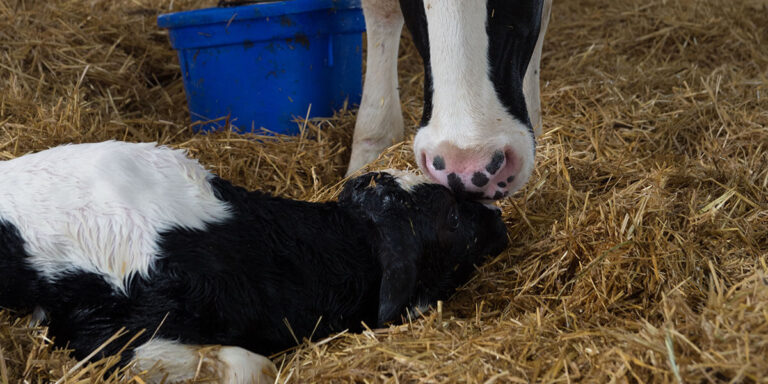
[
  {"x": 170, "y": 362},
  {"x": 380, "y": 120}
]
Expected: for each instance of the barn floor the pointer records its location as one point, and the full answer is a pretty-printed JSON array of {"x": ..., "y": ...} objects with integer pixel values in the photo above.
[{"x": 639, "y": 249}]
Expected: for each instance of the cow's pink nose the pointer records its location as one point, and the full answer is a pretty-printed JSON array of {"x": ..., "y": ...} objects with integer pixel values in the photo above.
[{"x": 478, "y": 174}]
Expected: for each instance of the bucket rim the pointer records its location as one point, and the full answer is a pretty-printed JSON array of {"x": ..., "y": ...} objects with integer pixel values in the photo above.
[{"x": 249, "y": 12}]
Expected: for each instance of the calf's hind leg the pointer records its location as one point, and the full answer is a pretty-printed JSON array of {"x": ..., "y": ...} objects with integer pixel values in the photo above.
[{"x": 176, "y": 362}]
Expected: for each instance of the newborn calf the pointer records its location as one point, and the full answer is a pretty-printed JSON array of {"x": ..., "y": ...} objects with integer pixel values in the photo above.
[{"x": 110, "y": 235}]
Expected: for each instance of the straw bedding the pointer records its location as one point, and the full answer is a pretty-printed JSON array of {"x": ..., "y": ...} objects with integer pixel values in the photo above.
[{"x": 639, "y": 249}]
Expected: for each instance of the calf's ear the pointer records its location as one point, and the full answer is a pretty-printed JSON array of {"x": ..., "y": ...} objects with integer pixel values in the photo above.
[
  {"x": 378, "y": 199},
  {"x": 398, "y": 279}
]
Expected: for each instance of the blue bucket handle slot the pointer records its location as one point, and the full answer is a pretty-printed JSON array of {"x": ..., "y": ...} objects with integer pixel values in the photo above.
[{"x": 237, "y": 3}]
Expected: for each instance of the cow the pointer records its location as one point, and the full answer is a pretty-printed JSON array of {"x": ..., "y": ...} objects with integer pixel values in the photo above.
[{"x": 482, "y": 107}]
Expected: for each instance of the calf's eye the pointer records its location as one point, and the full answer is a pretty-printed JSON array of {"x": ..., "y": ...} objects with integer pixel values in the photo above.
[{"x": 453, "y": 219}]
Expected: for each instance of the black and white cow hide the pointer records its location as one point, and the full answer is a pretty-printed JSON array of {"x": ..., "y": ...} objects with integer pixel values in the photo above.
[{"x": 482, "y": 108}]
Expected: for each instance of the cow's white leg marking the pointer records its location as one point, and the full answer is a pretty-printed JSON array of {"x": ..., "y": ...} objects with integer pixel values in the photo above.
[
  {"x": 380, "y": 120},
  {"x": 175, "y": 362},
  {"x": 531, "y": 87}
]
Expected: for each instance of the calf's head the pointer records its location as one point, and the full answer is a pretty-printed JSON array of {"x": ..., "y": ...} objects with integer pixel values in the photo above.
[{"x": 427, "y": 239}]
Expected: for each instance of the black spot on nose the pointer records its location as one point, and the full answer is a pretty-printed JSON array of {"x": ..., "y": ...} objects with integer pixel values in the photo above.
[
  {"x": 502, "y": 184},
  {"x": 439, "y": 163},
  {"x": 509, "y": 179},
  {"x": 500, "y": 194},
  {"x": 454, "y": 181},
  {"x": 479, "y": 179},
  {"x": 496, "y": 161}
]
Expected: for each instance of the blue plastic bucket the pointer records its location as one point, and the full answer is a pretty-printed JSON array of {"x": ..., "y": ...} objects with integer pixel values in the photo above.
[{"x": 263, "y": 65}]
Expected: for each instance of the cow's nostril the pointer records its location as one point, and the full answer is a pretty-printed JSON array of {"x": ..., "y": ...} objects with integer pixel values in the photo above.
[
  {"x": 439, "y": 163},
  {"x": 496, "y": 162}
]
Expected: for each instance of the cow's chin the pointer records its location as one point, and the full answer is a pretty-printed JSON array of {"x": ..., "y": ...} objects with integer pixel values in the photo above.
[{"x": 484, "y": 161}]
